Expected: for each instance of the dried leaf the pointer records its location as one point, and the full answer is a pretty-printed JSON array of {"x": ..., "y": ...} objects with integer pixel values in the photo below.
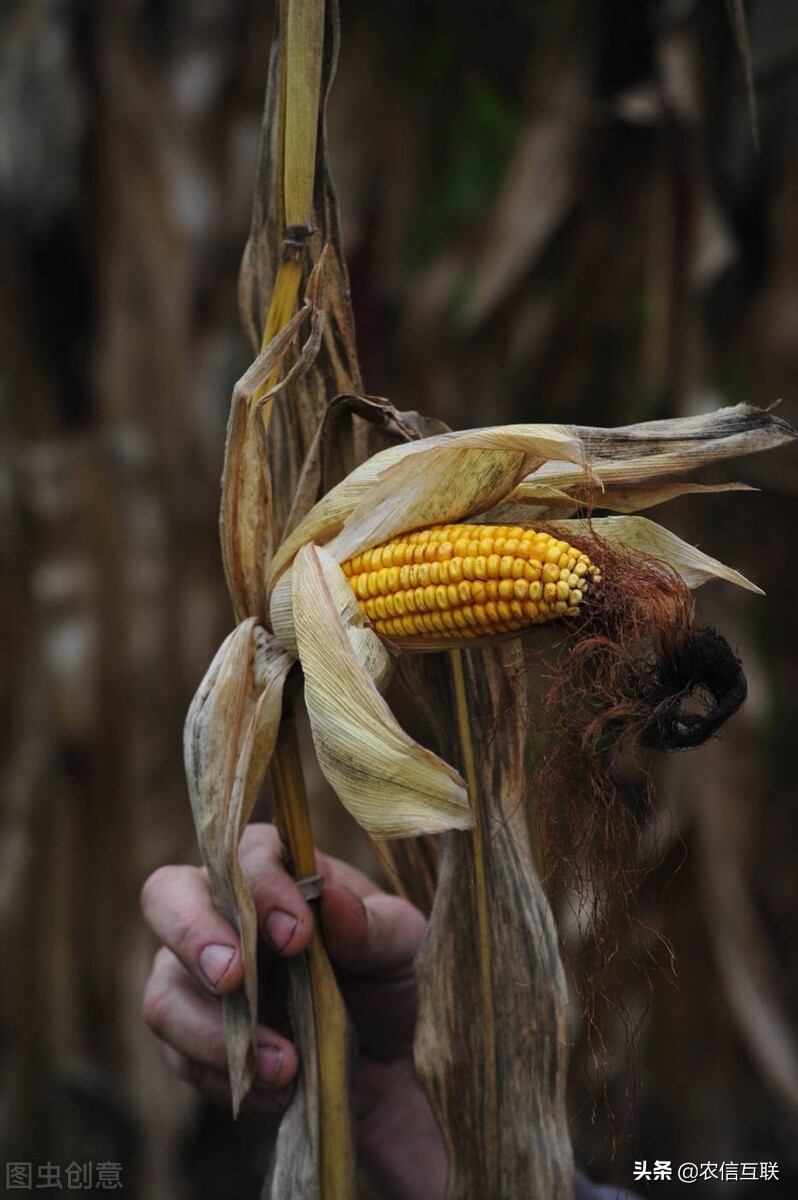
[
  {"x": 247, "y": 523},
  {"x": 315, "y": 1153},
  {"x": 438, "y": 479},
  {"x": 425, "y": 490},
  {"x": 392, "y": 786},
  {"x": 230, "y": 733},
  {"x": 638, "y": 533},
  {"x": 323, "y": 466},
  {"x": 294, "y": 426},
  {"x": 308, "y": 1164},
  {"x": 536, "y": 501},
  {"x": 294, "y": 1169},
  {"x": 657, "y": 449},
  {"x": 635, "y": 498},
  {"x": 515, "y": 1142}
]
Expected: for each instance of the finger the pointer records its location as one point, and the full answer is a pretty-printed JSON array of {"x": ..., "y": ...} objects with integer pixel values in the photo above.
[
  {"x": 216, "y": 1084},
  {"x": 375, "y": 935},
  {"x": 176, "y": 903},
  {"x": 343, "y": 874},
  {"x": 191, "y": 1022},
  {"x": 374, "y": 941},
  {"x": 284, "y": 917}
]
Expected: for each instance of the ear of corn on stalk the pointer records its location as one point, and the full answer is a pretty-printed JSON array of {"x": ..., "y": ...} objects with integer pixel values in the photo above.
[{"x": 469, "y": 581}]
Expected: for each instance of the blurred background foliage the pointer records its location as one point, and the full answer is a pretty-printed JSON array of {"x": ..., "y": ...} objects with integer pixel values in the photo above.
[{"x": 552, "y": 210}]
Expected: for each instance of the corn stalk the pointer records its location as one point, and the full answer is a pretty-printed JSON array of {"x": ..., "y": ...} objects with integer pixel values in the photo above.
[
  {"x": 276, "y": 410},
  {"x": 315, "y": 1151},
  {"x": 481, "y": 1119},
  {"x": 491, "y": 1033}
]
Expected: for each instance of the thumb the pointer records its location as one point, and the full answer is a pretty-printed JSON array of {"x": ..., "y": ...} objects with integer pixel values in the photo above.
[{"x": 375, "y": 935}]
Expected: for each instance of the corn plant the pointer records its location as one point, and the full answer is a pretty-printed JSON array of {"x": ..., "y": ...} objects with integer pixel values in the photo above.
[{"x": 360, "y": 542}]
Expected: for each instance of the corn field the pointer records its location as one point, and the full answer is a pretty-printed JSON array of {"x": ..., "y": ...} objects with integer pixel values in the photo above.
[{"x": 581, "y": 215}]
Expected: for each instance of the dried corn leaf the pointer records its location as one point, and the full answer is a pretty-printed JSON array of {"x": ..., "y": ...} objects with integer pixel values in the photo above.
[
  {"x": 294, "y": 1168},
  {"x": 425, "y": 490},
  {"x": 658, "y": 449},
  {"x": 392, "y": 786},
  {"x": 295, "y": 222},
  {"x": 419, "y": 483},
  {"x": 635, "y": 498},
  {"x": 247, "y": 515},
  {"x": 531, "y": 500},
  {"x": 494, "y": 1064},
  {"x": 323, "y": 464},
  {"x": 307, "y": 1162},
  {"x": 638, "y": 533},
  {"x": 295, "y": 425},
  {"x": 230, "y": 733}
]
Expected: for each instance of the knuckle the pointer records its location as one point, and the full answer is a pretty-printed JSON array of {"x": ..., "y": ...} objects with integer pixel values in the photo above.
[{"x": 154, "y": 886}]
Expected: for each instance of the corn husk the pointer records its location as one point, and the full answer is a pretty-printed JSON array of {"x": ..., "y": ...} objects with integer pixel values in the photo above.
[
  {"x": 390, "y": 784},
  {"x": 230, "y": 733}
]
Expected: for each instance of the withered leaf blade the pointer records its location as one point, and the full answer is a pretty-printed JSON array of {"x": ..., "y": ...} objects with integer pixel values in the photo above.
[
  {"x": 638, "y": 533},
  {"x": 658, "y": 449},
  {"x": 295, "y": 1168},
  {"x": 229, "y": 738},
  {"x": 295, "y": 423},
  {"x": 323, "y": 467},
  {"x": 437, "y": 479},
  {"x": 426, "y": 490},
  {"x": 392, "y": 786},
  {"x": 534, "y": 501},
  {"x": 310, "y": 1162},
  {"x": 246, "y": 521},
  {"x": 495, "y": 1072},
  {"x": 637, "y": 497}
]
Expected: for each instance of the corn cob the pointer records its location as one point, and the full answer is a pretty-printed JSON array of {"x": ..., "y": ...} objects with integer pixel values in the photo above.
[{"x": 468, "y": 581}]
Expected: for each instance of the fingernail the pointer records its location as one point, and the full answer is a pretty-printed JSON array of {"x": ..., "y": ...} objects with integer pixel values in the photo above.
[
  {"x": 214, "y": 961},
  {"x": 280, "y": 927},
  {"x": 270, "y": 1059}
]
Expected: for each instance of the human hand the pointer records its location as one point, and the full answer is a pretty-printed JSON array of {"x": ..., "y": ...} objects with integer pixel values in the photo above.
[{"x": 372, "y": 939}]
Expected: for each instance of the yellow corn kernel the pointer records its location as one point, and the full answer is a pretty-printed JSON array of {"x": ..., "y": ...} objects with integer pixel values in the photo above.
[{"x": 463, "y": 581}]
